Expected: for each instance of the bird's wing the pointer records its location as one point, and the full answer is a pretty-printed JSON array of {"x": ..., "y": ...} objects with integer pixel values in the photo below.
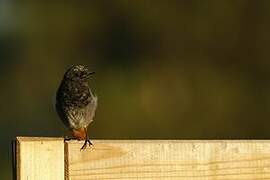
[{"x": 92, "y": 106}]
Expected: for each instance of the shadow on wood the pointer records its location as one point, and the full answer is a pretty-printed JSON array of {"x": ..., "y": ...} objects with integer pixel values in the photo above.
[{"x": 51, "y": 158}]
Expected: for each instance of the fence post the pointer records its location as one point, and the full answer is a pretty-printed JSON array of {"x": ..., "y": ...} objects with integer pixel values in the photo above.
[
  {"x": 39, "y": 158},
  {"x": 51, "y": 158}
]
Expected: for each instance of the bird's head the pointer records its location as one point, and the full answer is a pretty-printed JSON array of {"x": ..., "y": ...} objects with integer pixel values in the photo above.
[{"x": 77, "y": 72}]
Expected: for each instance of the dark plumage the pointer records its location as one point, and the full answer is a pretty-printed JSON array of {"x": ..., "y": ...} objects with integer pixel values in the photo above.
[{"x": 75, "y": 103}]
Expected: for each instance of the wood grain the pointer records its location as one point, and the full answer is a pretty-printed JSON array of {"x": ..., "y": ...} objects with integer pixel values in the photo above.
[
  {"x": 39, "y": 158},
  {"x": 170, "y": 159},
  {"x": 52, "y": 159}
]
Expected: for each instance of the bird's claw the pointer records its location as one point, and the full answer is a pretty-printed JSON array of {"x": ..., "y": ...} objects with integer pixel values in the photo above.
[
  {"x": 66, "y": 138},
  {"x": 85, "y": 144}
]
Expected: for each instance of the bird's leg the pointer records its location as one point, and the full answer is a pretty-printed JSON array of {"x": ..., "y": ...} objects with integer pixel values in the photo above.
[{"x": 87, "y": 140}]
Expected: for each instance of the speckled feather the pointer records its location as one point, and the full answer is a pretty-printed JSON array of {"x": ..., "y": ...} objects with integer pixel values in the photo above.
[{"x": 75, "y": 103}]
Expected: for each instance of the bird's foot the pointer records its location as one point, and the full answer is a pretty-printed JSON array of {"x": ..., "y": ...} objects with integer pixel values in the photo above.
[
  {"x": 66, "y": 138},
  {"x": 87, "y": 141}
]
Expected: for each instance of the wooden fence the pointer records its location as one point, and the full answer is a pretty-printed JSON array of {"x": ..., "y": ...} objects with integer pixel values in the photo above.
[{"x": 39, "y": 158}]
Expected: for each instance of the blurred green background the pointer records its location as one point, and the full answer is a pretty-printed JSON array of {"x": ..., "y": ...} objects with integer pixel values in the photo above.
[{"x": 164, "y": 69}]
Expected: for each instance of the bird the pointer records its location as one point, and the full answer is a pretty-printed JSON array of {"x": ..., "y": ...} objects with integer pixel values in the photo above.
[{"x": 75, "y": 103}]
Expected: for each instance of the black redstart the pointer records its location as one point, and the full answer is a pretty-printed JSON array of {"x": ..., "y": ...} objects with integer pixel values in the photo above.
[{"x": 75, "y": 103}]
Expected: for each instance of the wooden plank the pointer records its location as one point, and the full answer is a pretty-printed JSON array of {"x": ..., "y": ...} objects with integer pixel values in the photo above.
[
  {"x": 39, "y": 158},
  {"x": 169, "y": 159}
]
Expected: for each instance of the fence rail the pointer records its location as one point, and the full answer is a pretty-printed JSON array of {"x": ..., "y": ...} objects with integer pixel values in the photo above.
[{"x": 50, "y": 158}]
